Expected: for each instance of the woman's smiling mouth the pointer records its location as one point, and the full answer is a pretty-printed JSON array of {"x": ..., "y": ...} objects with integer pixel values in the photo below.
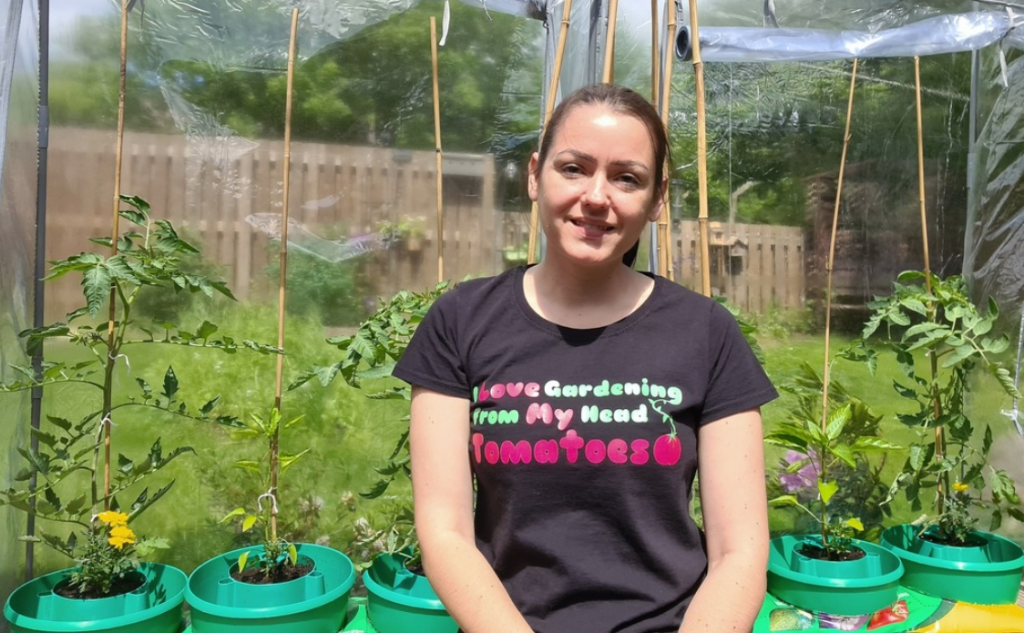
[{"x": 596, "y": 228}]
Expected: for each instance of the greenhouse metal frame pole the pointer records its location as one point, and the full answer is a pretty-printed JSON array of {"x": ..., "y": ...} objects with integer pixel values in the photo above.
[
  {"x": 972, "y": 137},
  {"x": 39, "y": 295}
]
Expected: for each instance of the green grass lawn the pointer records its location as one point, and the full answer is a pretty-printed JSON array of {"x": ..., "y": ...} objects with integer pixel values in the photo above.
[
  {"x": 349, "y": 435},
  {"x": 784, "y": 356}
]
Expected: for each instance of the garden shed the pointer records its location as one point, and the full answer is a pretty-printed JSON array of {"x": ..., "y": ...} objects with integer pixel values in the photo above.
[{"x": 203, "y": 144}]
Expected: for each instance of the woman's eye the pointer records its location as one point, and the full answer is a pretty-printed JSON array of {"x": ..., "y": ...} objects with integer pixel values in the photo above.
[
  {"x": 571, "y": 170},
  {"x": 629, "y": 180}
]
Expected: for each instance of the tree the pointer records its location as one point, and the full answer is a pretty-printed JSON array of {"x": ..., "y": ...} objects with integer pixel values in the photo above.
[{"x": 370, "y": 86}]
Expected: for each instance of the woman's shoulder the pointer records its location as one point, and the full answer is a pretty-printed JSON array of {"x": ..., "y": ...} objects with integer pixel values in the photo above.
[{"x": 472, "y": 293}]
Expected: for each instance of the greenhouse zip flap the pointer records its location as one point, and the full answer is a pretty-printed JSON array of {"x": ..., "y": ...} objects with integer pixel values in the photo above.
[{"x": 933, "y": 36}]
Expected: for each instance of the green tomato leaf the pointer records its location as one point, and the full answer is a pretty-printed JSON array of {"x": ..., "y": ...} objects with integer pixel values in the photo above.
[
  {"x": 208, "y": 407},
  {"x": 962, "y": 353},
  {"x": 170, "y": 384},
  {"x": 784, "y": 500},
  {"x": 234, "y": 514},
  {"x": 248, "y": 522},
  {"x": 206, "y": 330},
  {"x": 827, "y": 489},
  {"x": 242, "y": 560},
  {"x": 249, "y": 465},
  {"x": 837, "y": 421},
  {"x": 845, "y": 453},
  {"x": 870, "y": 444},
  {"x": 96, "y": 287}
]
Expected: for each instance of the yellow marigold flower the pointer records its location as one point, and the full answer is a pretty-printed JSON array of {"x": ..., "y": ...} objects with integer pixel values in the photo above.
[
  {"x": 119, "y": 542},
  {"x": 121, "y": 536},
  {"x": 113, "y": 519},
  {"x": 122, "y": 531},
  {"x": 960, "y": 487}
]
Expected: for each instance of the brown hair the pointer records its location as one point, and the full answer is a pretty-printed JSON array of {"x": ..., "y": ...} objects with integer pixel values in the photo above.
[{"x": 622, "y": 101}]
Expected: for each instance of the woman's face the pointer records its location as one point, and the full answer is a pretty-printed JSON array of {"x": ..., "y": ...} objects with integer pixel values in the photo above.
[{"x": 596, "y": 190}]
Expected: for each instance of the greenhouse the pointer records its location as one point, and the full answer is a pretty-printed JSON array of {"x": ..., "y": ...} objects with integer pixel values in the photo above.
[{"x": 222, "y": 222}]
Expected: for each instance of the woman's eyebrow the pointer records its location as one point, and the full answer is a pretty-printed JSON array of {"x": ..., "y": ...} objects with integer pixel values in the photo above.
[{"x": 583, "y": 156}]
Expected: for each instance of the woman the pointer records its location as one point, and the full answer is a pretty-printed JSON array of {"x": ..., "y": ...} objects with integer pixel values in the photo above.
[{"x": 586, "y": 396}]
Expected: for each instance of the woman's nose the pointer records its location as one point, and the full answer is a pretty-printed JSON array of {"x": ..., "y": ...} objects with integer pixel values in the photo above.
[{"x": 596, "y": 193}]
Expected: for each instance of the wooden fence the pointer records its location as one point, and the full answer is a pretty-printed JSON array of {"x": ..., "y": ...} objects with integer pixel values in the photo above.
[
  {"x": 209, "y": 186},
  {"x": 755, "y": 266}
]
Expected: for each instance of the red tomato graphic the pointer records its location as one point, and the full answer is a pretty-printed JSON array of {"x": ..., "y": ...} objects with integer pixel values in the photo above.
[
  {"x": 894, "y": 614},
  {"x": 668, "y": 450}
]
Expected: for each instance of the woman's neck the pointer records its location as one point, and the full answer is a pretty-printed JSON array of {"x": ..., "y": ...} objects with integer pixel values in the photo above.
[{"x": 585, "y": 298}]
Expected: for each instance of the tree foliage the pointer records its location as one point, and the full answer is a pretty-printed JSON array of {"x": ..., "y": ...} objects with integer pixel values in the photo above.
[{"x": 373, "y": 86}]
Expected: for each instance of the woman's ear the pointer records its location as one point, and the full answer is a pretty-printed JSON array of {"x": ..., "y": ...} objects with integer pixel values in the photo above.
[
  {"x": 533, "y": 174},
  {"x": 659, "y": 201}
]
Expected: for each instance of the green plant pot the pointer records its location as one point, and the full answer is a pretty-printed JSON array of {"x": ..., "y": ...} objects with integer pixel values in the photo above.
[
  {"x": 985, "y": 574},
  {"x": 399, "y": 601},
  {"x": 855, "y": 587},
  {"x": 315, "y": 603},
  {"x": 155, "y": 607}
]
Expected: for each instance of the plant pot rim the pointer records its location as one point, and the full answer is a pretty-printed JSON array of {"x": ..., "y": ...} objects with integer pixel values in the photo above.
[
  {"x": 310, "y": 550},
  {"x": 848, "y": 583},
  {"x": 378, "y": 589},
  {"x": 27, "y": 622},
  {"x": 889, "y": 541}
]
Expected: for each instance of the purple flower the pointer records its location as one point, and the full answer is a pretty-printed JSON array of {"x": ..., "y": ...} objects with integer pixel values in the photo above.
[{"x": 803, "y": 480}]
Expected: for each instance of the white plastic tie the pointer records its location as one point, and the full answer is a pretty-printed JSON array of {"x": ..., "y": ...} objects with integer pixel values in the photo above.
[
  {"x": 126, "y": 361},
  {"x": 268, "y": 494},
  {"x": 106, "y": 421},
  {"x": 445, "y": 23}
]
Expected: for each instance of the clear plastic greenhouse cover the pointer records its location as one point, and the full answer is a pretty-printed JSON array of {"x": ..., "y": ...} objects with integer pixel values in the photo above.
[
  {"x": 932, "y": 36},
  {"x": 994, "y": 249},
  {"x": 206, "y": 113},
  {"x": 19, "y": 62}
]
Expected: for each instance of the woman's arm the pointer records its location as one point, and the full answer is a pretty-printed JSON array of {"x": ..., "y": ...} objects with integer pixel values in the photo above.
[
  {"x": 443, "y": 498},
  {"x": 735, "y": 508}
]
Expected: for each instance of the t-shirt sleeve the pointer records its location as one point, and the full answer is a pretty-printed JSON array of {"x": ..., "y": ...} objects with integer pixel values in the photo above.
[
  {"x": 736, "y": 382},
  {"x": 432, "y": 359}
]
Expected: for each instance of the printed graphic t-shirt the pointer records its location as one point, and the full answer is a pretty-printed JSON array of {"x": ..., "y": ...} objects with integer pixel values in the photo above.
[{"x": 584, "y": 445}]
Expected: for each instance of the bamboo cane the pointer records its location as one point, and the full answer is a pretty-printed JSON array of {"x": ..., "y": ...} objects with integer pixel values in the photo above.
[
  {"x": 665, "y": 220},
  {"x": 114, "y": 231},
  {"x": 283, "y": 254},
  {"x": 437, "y": 151},
  {"x": 609, "y": 43},
  {"x": 556, "y": 75},
  {"x": 655, "y": 54},
  {"x": 943, "y": 483},
  {"x": 702, "y": 153},
  {"x": 830, "y": 263}
]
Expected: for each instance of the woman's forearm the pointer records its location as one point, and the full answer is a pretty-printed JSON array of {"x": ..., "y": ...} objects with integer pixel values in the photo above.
[
  {"x": 468, "y": 586},
  {"x": 738, "y": 582}
]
